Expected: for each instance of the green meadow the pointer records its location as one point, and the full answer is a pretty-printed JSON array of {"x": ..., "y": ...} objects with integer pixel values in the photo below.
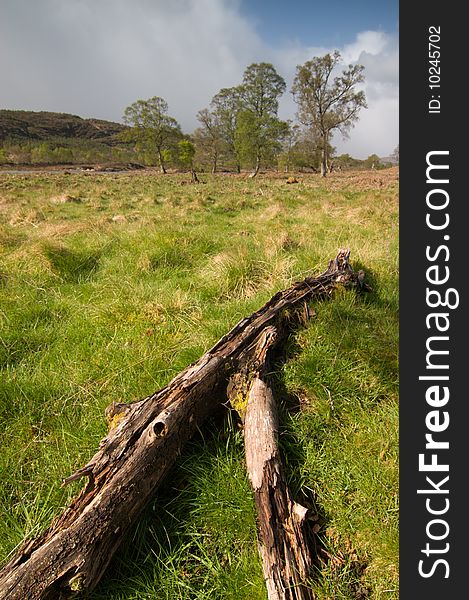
[{"x": 110, "y": 284}]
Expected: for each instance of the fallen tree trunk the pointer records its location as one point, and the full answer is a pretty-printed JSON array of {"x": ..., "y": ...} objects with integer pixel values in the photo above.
[
  {"x": 282, "y": 536},
  {"x": 147, "y": 436}
]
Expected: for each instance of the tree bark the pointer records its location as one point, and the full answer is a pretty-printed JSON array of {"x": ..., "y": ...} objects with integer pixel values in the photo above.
[
  {"x": 257, "y": 167},
  {"x": 324, "y": 155},
  {"x": 281, "y": 527},
  {"x": 160, "y": 158},
  {"x": 145, "y": 440}
]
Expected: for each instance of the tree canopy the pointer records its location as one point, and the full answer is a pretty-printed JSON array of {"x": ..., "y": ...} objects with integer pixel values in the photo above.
[{"x": 261, "y": 89}]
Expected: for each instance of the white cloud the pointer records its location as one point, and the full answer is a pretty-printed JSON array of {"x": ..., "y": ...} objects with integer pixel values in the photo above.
[
  {"x": 94, "y": 57},
  {"x": 371, "y": 42},
  {"x": 376, "y": 132}
]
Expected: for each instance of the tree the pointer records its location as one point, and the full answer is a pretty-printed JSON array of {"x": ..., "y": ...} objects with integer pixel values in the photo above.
[
  {"x": 261, "y": 89},
  {"x": 307, "y": 152},
  {"x": 225, "y": 108},
  {"x": 258, "y": 129},
  {"x": 372, "y": 162},
  {"x": 292, "y": 135},
  {"x": 208, "y": 138},
  {"x": 326, "y": 104},
  {"x": 395, "y": 154},
  {"x": 259, "y": 140},
  {"x": 151, "y": 128},
  {"x": 186, "y": 157}
]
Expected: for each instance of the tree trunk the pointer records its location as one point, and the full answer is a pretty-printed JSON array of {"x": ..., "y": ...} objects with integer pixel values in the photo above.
[
  {"x": 324, "y": 156},
  {"x": 281, "y": 526},
  {"x": 194, "y": 178},
  {"x": 160, "y": 158},
  {"x": 257, "y": 167},
  {"x": 132, "y": 460}
]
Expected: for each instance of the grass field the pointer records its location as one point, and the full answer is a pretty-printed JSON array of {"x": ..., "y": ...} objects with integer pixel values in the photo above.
[{"x": 111, "y": 284}]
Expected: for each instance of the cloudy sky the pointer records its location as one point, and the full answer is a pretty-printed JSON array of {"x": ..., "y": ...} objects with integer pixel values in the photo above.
[{"x": 95, "y": 57}]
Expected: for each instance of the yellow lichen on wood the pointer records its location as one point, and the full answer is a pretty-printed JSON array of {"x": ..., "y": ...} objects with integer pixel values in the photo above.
[
  {"x": 239, "y": 390},
  {"x": 114, "y": 421},
  {"x": 76, "y": 583},
  {"x": 240, "y": 403}
]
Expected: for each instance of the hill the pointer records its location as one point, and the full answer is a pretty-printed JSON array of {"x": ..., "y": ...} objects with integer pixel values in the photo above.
[
  {"x": 392, "y": 160},
  {"x": 22, "y": 125}
]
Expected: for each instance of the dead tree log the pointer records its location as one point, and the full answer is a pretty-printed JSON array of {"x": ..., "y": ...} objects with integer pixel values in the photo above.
[
  {"x": 282, "y": 537},
  {"x": 73, "y": 553}
]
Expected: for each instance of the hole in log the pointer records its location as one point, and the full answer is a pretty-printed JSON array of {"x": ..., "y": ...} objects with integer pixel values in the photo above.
[{"x": 159, "y": 428}]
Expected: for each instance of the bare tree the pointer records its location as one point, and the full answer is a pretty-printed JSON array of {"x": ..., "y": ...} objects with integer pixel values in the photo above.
[{"x": 208, "y": 138}]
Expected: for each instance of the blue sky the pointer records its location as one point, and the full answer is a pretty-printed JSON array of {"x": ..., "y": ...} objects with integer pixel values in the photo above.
[
  {"x": 309, "y": 22},
  {"x": 95, "y": 57}
]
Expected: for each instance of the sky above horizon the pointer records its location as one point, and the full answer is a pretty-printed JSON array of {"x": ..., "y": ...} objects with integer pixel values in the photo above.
[{"x": 95, "y": 57}]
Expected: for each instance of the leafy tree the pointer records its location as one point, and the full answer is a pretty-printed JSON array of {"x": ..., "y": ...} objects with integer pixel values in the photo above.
[
  {"x": 395, "y": 154},
  {"x": 326, "y": 103},
  {"x": 186, "y": 153},
  {"x": 186, "y": 157},
  {"x": 258, "y": 139},
  {"x": 152, "y": 130},
  {"x": 225, "y": 108},
  {"x": 261, "y": 89},
  {"x": 372, "y": 162},
  {"x": 258, "y": 129}
]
